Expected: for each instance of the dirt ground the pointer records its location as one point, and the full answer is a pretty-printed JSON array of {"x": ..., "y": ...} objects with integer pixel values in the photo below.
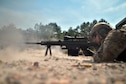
[{"x": 30, "y": 66}]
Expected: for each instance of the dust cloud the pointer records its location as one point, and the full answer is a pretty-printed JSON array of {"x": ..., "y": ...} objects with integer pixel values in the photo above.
[
  {"x": 13, "y": 47},
  {"x": 10, "y": 36},
  {"x": 11, "y": 42}
]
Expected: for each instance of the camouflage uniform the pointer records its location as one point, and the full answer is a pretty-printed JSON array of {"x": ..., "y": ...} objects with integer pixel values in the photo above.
[{"x": 113, "y": 47}]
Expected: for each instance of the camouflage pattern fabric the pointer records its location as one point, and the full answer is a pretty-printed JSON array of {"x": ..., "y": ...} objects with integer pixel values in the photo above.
[{"x": 112, "y": 47}]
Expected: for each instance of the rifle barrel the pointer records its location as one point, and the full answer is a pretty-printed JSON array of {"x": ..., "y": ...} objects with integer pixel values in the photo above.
[
  {"x": 74, "y": 43},
  {"x": 33, "y": 43}
]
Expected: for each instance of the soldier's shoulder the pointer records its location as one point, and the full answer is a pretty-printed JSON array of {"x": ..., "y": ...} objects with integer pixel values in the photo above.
[
  {"x": 116, "y": 38},
  {"x": 118, "y": 31}
]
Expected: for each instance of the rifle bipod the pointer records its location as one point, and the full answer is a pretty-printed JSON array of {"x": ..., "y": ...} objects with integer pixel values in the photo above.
[{"x": 48, "y": 48}]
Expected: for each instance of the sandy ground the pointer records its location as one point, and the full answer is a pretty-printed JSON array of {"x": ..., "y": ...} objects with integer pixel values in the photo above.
[{"x": 30, "y": 66}]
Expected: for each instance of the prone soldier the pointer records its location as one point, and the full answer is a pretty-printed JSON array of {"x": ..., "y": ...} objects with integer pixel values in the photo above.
[{"x": 112, "y": 43}]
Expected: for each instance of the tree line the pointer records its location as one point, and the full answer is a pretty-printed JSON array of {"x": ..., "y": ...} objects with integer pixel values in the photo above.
[
  {"x": 48, "y": 31},
  {"x": 52, "y": 30}
]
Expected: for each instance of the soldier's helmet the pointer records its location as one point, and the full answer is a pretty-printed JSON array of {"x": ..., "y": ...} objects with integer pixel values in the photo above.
[{"x": 100, "y": 28}]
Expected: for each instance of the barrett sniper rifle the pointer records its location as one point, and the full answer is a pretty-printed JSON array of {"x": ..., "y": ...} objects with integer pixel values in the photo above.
[{"x": 72, "y": 44}]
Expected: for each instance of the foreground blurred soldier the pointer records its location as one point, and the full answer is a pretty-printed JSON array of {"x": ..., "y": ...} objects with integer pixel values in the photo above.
[{"x": 112, "y": 43}]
